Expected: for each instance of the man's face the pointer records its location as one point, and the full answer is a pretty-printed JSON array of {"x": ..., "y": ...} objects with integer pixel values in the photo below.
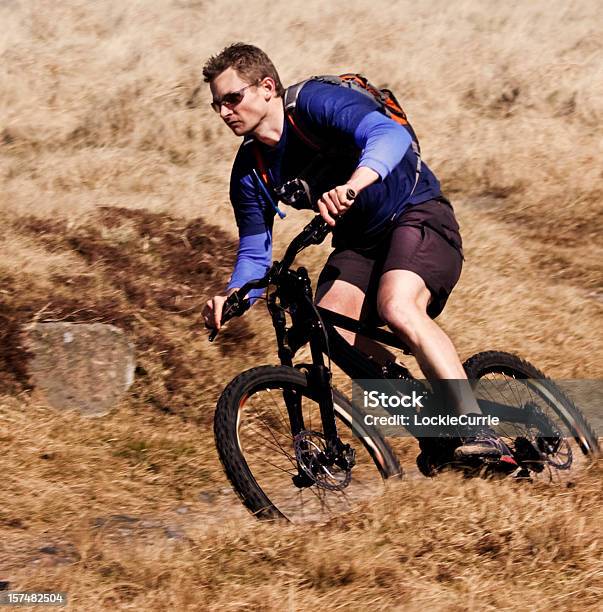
[{"x": 244, "y": 116}]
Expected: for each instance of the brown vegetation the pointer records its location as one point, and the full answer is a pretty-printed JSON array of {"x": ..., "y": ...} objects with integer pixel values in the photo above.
[{"x": 114, "y": 199}]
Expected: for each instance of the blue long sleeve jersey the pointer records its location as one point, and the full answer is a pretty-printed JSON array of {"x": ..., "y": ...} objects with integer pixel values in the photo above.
[{"x": 351, "y": 122}]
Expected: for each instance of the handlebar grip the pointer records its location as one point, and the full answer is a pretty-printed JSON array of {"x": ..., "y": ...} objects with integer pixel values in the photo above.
[
  {"x": 233, "y": 307},
  {"x": 226, "y": 315}
]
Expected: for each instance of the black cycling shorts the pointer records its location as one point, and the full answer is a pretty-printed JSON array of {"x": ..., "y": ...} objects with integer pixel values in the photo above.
[{"x": 425, "y": 239}]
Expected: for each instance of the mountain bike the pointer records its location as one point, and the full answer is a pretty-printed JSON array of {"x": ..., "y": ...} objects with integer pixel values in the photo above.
[{"x": 295, "y": 447}]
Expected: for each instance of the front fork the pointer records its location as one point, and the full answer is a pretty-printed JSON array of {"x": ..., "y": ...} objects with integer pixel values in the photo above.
[{"x": 319, "y": 375}]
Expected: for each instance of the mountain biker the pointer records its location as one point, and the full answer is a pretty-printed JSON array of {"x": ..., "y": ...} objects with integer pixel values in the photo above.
[{"x": 396, "y": 243}]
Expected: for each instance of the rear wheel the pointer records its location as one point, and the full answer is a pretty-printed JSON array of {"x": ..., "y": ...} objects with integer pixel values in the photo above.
[
  {"x": 262, "y": 459},
  {"x": 547, "y": 433}
]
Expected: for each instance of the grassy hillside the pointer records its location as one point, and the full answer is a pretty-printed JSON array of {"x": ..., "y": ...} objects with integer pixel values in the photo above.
[{"x": 114, "y": 197}]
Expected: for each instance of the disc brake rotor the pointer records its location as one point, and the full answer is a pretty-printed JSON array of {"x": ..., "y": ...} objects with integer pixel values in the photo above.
[{"x": 317, "y": 462}]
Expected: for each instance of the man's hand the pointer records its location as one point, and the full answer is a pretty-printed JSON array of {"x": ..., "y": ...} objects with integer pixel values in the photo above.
[
  {"x": 336, "y": 202},
  {"x": 212, "y": 312}
]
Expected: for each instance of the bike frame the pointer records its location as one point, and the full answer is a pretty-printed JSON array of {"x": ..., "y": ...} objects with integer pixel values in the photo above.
[{"x": 316, "y": 326}]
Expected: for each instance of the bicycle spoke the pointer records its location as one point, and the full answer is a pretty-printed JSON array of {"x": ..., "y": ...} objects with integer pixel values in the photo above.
[
  {"x": 276, "y": 445},
  {"x": 512, "y": 388},
  {"x": 277, "y": 467},
  {"x": 264, "y": 433},
  {"x": 279, "y": 444},
  {"x": 285, "y": 424}
]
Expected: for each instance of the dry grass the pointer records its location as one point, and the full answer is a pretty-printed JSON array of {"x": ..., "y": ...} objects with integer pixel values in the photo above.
[
  {"x": 114, "y": 198},
  {"x": 133, "y": 513}
]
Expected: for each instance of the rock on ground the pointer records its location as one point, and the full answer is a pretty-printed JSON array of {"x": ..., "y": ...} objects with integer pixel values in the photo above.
[{"x": 83, "y": 366}]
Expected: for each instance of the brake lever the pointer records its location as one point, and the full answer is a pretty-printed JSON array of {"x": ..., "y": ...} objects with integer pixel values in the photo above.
[
  {"x": 233, "y": 306},
  {"x": 225, "y": 317}
]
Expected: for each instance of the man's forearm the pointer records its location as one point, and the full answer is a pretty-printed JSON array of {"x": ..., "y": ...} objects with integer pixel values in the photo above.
[{"x": 362, "y": 178}]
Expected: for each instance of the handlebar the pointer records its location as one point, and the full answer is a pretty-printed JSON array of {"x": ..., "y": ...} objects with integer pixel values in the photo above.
[{"x": 313, "y": 233}]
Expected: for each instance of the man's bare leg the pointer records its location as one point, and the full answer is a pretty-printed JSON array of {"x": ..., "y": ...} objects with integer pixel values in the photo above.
[
  {"x": 402, "y": 303},
  {"x": 347, "y": 299}
]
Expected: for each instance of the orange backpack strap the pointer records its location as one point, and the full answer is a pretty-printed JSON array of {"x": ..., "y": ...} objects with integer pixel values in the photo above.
[
  {"x": 304, "y": 137},
  {"x": 262, "y": 176},
  {"x": 259, "y": 164}
]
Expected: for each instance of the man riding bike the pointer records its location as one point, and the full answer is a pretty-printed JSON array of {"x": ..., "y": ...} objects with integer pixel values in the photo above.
[{"x": 396, "y": 240}]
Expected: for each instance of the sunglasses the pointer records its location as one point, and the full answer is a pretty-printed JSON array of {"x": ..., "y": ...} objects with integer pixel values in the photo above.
[{"x": 231, "y": 99}]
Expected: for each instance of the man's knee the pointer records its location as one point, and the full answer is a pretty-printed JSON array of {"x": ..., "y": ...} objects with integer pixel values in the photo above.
[{"x": 402, "y": 315}]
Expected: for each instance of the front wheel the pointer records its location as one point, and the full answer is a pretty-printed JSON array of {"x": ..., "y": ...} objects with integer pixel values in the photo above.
[
  {"x": 258, "y": 451},
  {"x": 548, "y": 435}
]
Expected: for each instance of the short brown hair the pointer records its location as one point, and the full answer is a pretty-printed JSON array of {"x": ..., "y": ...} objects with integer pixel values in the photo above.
[{"x": 249, "y": 61}]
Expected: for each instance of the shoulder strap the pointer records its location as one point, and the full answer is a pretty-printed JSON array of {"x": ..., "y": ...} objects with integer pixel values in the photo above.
[
  {"x": 290, "y": 103},
  {"x": 292, "y": 93},
  {"x": 261, "y": 175},
  {"x": 351, "y": 80},
  {"x": 259, "y": 162}
]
